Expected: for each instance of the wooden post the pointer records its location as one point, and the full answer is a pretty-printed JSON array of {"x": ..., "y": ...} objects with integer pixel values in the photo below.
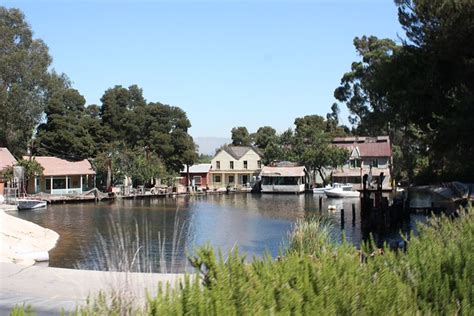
[
  {"x": 320, "y": 203},
  {"x": 353, "y": 214},
  {"x": 342, "y": 218}
]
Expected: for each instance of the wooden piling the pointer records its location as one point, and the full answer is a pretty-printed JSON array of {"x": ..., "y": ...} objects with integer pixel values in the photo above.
[
  {"x": 342, "y": 218},
  {"x": 353, "y": 214}
]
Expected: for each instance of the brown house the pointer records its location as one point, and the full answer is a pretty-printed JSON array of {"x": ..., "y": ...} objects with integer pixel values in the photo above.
[
  {"x": 62, "y": 176},
  {"x": 199, "y": 175},
  {"x": 366, "y": 153}
]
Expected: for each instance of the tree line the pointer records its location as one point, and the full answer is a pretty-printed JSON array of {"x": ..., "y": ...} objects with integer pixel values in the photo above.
[
  {"x": 309, "y": 143},
  {"x": 420, "y": 92},
  {"x": 42, "y": 112}
]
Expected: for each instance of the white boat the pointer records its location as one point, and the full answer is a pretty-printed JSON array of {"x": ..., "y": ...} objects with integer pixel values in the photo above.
[
  {"x": 329, "y": 187},
  {"x": 342, "y": 192},
  {"x": 322, "y": 190},
  {"x": 29, "y": 204}
]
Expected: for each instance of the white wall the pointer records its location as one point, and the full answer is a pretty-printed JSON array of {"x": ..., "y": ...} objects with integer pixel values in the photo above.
[{"x": 225, "y": 158}]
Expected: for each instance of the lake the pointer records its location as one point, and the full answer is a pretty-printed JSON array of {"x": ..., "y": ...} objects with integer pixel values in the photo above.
[{"x": 157, "y": 234}]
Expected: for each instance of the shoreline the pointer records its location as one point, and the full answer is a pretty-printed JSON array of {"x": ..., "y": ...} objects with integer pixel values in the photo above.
[
  {"x": 21, "y": 240},
  {"x": 51, "y": 290}
]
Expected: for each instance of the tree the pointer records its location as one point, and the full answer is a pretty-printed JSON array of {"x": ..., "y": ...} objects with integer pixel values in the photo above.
[
  {"x": 264, "y": 136},
  {"x": 421, "y": 92},
  {"x": 312, "y": 146},
  {"x": 240, "y": 136},
  {"x": 24, "y": 79},
  {"x": 66, "y": 132},
  {"x": 31, "y": 168}
]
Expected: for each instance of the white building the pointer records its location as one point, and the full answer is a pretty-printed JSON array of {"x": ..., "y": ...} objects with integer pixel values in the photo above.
[
  {"x": 235, "y": 166},
  {"x": 284, "y": 179}
]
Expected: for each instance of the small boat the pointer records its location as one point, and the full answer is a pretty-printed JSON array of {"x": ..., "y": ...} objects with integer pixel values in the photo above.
[
  {"x": 30, "y": 204},
  {"x": 342, "y": 192},
  {"x": 322, "y": 190},
  {"x": 329, "y": 187}
]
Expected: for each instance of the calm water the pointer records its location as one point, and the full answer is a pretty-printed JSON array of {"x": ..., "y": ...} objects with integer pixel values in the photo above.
[{"x": 255, "y": 223}]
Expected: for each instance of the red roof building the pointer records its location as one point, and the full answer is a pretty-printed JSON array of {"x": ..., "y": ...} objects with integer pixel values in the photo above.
[
  {"x": 62, "y": 176},
  {"x": 368, "y": 155}
]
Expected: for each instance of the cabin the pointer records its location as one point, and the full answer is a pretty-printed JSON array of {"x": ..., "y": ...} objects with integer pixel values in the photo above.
[
  {"x": 284, "y": 178},
  {"x": 6, "y": 160},
  {"x": 62, "y": 176},
  {"x": 368, "y": 155},
  {"x": 236, "y": 167},
  {"x": 199, "y": 175}
]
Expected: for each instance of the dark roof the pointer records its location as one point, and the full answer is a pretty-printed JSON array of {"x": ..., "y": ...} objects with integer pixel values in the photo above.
[
  {"x": 368, "y": 146},
  {"x": 239, "y": 151}
]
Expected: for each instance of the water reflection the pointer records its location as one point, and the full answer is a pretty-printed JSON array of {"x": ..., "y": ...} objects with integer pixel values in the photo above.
[{"x": 254, "y": 223}]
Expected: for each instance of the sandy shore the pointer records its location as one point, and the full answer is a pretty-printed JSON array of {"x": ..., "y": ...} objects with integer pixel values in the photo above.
[
  {"x": 21, "y": 240},
  {"x": 49, "y": 291}
]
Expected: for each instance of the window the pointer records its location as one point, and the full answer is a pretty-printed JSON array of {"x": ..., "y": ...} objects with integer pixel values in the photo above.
[
  {"x": 245, "y": 164},
  {"x": 259, "y": 164},
  {"x": 231, "y": 165},
  {"x": 197, "y": 180},
  {"x": 217, "y": 179},
  {"x": 355, "y": 163},
  {"x": 218, "y": 165},
  {"x": 374, "y": 163},
  {"x": 231, "y": 179},
  {"x": 48, "y": 184},
  {"x": 59, "y": 183}
]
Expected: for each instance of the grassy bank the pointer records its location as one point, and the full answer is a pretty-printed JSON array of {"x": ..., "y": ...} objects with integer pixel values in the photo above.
[{"x": 434, "y": 275}]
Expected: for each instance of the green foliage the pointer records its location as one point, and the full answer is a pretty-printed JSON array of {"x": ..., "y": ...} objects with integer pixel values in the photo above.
[
  {"x": 312, "y": 145},
  {"x": 421, "y": 92},
  {"x": 203, "y": 158},
  {"x": 264, "y": 136},
  {"x": 161, "y": 129},
  {"x": 240, "y": 136},
  {"x": 312, "y": 237},
  {"x": 22, "y": 311},
  {"x": 66, "y": 130},
  {"x": 316, "y": 276},
  {"x": 434, "y": 276},
  {"x": 32, "y": 168},
  {"x": 24, "y": 80}
]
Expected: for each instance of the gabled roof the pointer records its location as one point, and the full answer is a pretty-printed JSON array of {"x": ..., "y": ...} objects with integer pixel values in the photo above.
[
  {"x": 6, "y": 158},
  {"x": 54, "y": 166},
  {"x": 199, "y": 168},
  {"x": 283, "y": 171},
  {"x": 366, "y": 146},
  {"x": 239, "y": 151}
]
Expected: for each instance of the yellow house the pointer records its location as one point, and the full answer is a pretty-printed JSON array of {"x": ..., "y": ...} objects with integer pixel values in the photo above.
[{"x": 236, "y": 166}]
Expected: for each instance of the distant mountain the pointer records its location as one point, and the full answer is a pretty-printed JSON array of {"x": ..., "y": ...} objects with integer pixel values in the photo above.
[{"x": 208, "y": 145}]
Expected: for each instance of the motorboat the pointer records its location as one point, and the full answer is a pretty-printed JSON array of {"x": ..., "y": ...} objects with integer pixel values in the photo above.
[
  {"x": 30, "y": 204},
  {"x": 342, "y": 192},
  {"x": 329, "y": 187},
  {"x": 322, "y": 190}
]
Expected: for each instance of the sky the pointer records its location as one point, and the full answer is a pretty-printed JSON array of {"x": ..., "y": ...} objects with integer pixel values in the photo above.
[{"x": 225, "y": 63}]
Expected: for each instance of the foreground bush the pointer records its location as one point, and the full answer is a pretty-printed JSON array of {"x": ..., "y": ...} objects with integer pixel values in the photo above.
[
  {"x": 316, "y": 276},
  {"x": 434, "y": 276}
]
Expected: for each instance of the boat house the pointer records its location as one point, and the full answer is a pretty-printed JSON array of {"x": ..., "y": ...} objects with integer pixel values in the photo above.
[
  {"x": 235, "y": 167},
  {"x": 368, "y": 155},
  {"x": 62, "y": 176},
  {"x": 284, "y": 178},
  {"x": 199, "y": 175}
]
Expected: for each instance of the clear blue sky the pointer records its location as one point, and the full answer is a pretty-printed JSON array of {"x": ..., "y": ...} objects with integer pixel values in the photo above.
[{"x": 226, "y": 63}]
